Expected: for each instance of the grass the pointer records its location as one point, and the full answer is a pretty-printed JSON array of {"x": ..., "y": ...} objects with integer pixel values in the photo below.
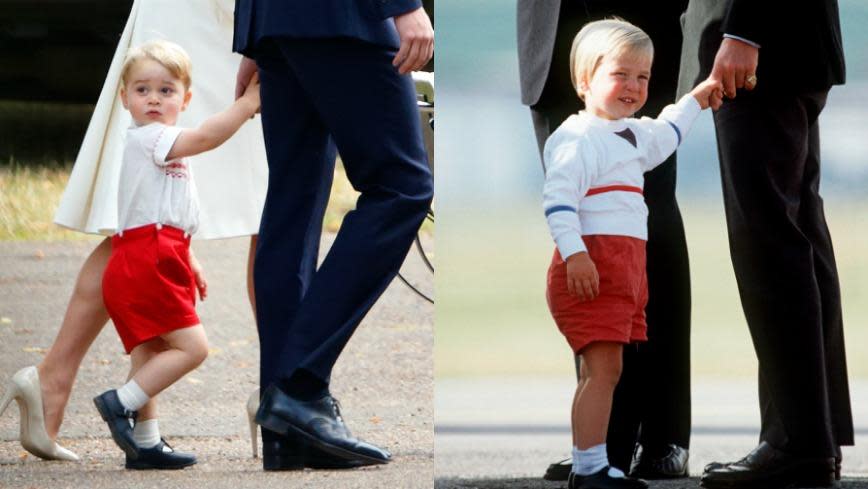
[
  {"x": 30, "y": 195},
  {"x": 492, "y": 317}
]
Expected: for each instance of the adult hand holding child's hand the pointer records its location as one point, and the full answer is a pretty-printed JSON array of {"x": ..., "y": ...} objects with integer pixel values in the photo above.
[
  {"x": 582, "y": 278},
  {"x": 709, "y": 93},
  {"x": 199, "y": 275}
]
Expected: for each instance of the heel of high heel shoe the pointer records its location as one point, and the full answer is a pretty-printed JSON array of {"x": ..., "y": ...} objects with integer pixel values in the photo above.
[
  {"x": 7, "y": 397},
  {"x": 252, "y": 407}
]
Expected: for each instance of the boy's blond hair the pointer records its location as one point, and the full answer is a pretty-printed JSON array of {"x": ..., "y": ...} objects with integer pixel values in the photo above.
[
  {"x": 168, "y": 54},
  {"x": 609, "y": 37}
]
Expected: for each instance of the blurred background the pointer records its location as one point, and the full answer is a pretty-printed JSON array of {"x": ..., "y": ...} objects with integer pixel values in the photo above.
[
  {"x": 502, "y": 368},
  {"x": 494, "y": 247}
]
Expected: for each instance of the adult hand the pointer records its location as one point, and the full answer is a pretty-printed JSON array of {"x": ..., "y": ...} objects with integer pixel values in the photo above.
[
  {"x": 246, "y": 70},
  {"x": 582, "y": 278},
  {"x": 417, "y": 40},
  {"x": 734, "y": 63}
]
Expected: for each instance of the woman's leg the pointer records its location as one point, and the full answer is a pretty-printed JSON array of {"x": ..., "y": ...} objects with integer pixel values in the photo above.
[
  {"x": 601, "y": 369},
  {"x": 84, "y": 319}
]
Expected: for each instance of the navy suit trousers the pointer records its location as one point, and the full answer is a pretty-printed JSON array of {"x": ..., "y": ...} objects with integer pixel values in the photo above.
[{"x": 321, "y": 97}]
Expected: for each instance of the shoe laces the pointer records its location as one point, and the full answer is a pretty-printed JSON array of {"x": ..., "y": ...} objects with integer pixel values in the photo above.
[{"x": 336, "y": 405}]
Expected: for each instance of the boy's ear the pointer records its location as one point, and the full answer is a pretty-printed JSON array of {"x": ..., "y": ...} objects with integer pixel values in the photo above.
[
  {"x": 187, "y": 97},
  {"x": 124, "y": 98}
]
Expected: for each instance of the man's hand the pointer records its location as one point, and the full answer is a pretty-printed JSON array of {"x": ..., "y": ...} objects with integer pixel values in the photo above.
[
  {"x": 734, "y": 63},
  {"x": 708, "y": 94},
  {"x": 582, "y": 278},
  {"x": 198, "y": 274},
  {"x": 417, "y": 41},
  {"x": 246, "y": 70}
]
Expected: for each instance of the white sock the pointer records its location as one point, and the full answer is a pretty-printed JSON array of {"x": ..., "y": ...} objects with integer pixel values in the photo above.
[
  {"x": 132, "y": 396},
  {"x": 592, "y": 460},
  {"x": 146, "y": 433}
]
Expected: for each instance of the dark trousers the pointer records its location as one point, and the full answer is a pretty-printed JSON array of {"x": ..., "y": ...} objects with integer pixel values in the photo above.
[
  {"x": 653, "y": 395},
  {"x": 320, "y": 97},
  {"x": 785, "y": 268}
]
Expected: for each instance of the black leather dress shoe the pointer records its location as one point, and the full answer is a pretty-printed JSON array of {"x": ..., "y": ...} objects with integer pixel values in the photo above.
[
  {"x": 602, "y": 480},
  {"x": 160, "y": 457},
  {"x": 559, "y": 471},
  {"x": 318, "y": 422},
  {"x": 766, "y": 467},
  {"x": 720, "y": 465},
  {"x": 293, "y": 453},
  {"x": 668, "y": 463},
  {"x": 119, "y": 421}
]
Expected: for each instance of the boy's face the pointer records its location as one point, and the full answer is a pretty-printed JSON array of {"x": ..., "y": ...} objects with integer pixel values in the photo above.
[
  {"x": 152, "y": 94},
  {"x": 619, "y": 87}
]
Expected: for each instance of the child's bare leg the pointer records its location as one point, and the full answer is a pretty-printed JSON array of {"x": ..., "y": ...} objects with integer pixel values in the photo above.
[
  {"x": 582, "y": 374},
  {"x": 186, "y": 349},
  {"x": 146, "y": 431},
  {"x": 138, "y": 357},
  {"x": 601, "y": 365},
  {"x": 600, "y": 370},
  {"x": 84, "y": 319}
]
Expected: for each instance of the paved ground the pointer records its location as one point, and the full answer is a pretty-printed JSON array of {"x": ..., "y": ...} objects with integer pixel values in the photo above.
[
  {"x": 384, "y": 381},
  {"x": 497, "y": 432}
]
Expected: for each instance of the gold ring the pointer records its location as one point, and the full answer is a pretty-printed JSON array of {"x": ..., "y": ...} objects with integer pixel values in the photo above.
[{"x": 750, "y": 81}]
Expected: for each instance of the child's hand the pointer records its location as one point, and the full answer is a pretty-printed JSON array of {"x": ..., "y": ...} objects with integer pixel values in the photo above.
[
  {"x": 251, "y": 94},
  {"x": 582, "y": 278},
  {"x": 199, "y": 276},
  {"x": 709, "y": 94}
]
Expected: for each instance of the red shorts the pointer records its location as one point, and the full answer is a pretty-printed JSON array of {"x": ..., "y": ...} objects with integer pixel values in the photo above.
[
  {"x": 148, "y": 286},
  {"x": 617, "y": 314}
]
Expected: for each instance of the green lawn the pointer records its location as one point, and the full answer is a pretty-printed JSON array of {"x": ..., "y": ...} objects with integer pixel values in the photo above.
[{"x": 492, "y": 317}]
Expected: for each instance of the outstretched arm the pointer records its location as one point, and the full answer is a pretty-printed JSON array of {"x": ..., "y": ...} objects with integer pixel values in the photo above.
[{"x": 218, "y": 128}]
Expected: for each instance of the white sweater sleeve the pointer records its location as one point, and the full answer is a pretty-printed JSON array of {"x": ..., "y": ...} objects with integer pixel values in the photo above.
[
  {"x": 571, "y": 168},
  {"x": 665, "y": 133}
]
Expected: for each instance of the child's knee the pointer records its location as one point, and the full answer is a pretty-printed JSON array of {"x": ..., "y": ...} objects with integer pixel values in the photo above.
[{"x": 198, "y": 351}]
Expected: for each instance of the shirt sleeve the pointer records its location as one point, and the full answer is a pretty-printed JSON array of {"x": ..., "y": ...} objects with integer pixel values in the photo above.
[
  {"x": 571, "y": 168},
  {"x": 162, "y": 145},
  {"x": 665, "y": 133}
]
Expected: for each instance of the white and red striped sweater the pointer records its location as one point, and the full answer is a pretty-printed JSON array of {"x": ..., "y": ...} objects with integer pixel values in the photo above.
[{"x": 595, "y": 172}]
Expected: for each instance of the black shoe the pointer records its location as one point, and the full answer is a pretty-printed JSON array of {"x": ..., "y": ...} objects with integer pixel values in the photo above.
[
  {"x": 670, "y": 463},
  {"x": 119, "y": 421},
  {"x": 766, "y": 467},
  {"x": 318, "y": 422},
  {"x": 293, "y": 453},
  {"x": 160, "y": 457},
  {"x": 602, "y": 480},
  {"x": 559, "y": 471}
]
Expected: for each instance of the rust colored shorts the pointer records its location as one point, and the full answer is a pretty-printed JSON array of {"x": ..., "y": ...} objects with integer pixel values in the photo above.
[
  {"x": 617, "y": 314},
  {"x": 148, "y": 285}
]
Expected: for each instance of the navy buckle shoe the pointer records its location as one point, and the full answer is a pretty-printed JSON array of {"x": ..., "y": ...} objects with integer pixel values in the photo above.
[
  {"x": 119, "y": 420},
  {"x": 160, "y": 457},
  {"x": 602, "y": 480},
  {"x": 317, "y": 422}
]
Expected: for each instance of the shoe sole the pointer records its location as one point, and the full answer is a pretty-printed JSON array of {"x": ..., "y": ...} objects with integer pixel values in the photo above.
[
  {"x": 128, "y": 449},
  {"x": 158, "y": 467},
  {"x": 772, "y": 482},
  {"x": 281, "y": 426}
]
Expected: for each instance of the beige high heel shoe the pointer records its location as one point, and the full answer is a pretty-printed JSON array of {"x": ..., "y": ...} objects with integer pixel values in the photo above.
[
  {"x": 252, "y": 407},
  {"x": 25, "y": 389}
]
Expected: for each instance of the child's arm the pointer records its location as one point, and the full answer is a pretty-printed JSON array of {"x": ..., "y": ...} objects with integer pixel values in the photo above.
[
  {"x": 199, "y": 275},
  {"x": 570, "y": 169},
  {"x": 218, "y": 128},
  {"x": 665, "y": 133}
]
